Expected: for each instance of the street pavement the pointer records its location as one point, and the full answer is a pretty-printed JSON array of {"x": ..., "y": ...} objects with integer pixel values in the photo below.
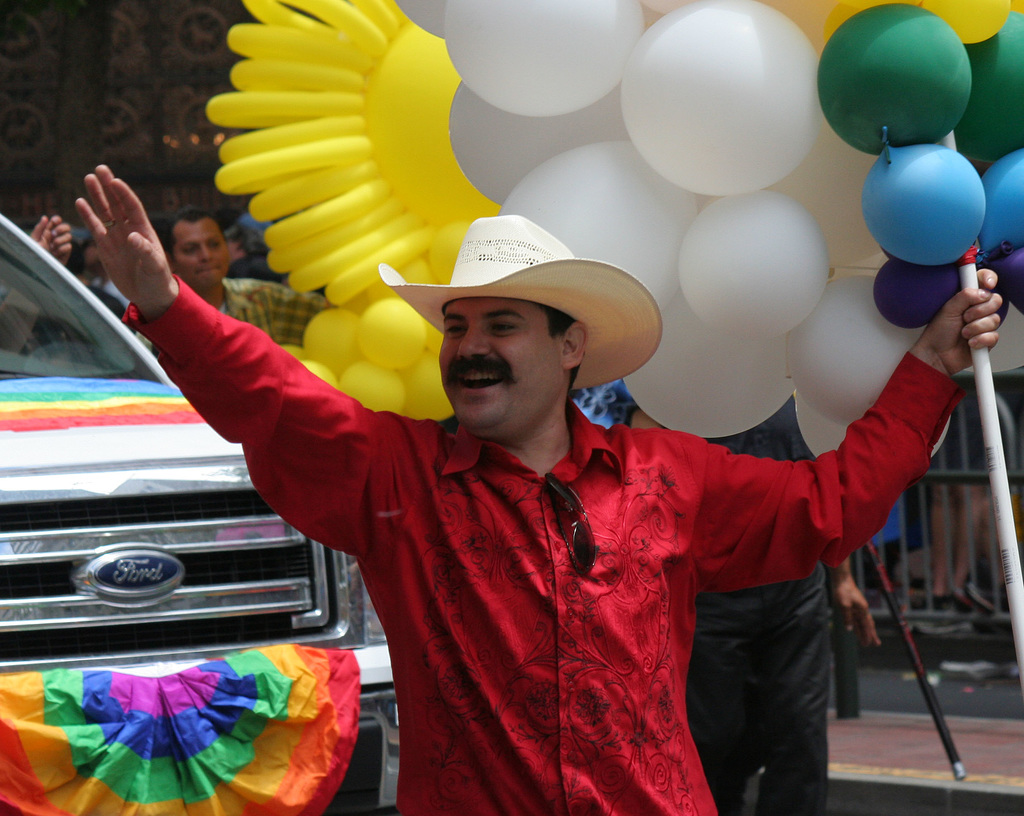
[{"x": 890, "y": 760}]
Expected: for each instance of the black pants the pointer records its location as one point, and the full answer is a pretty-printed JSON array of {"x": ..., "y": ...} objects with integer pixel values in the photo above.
[{"x": 757, "y": 695}]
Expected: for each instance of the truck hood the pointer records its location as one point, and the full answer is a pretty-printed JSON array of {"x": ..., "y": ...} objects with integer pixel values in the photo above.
[{"x": 65, "y": 437}]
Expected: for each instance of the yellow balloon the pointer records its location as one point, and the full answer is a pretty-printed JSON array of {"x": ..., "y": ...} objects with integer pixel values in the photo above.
[
  {"x": 378, "y": 290},
  {"x": 391, "y": 333},
  {"x": 318, "y": 44},
  {"x": 296, "y": 133},
  {"x": 257, "y": 109},
  {"x": 424, "y": 392},
  {"x": 347, "y": 18},
  {"x": 1017, "y": 5},
  {"x": 304, "y": 251},
  {"x": 444, "y": 249},
  {"x": 349, "y": 155},
  {"x": 272, "y": 12},
  {"x": 282, "y": 75},
  {"x": 434, "y": 339},
  {"x": 418, "y": 272},
  {"x": 408, "y": 99},
  {"x": 972, "y": 20},
  {"x": 358, "y": 277},
  {"x": 385, "y": 14},
  {"x": 863, "y": 4},
  {"x": 839, "y": 15},
  {"x": 330, "y": 339},
  {"x": 251, "y": 174},
  {"x": 325, "y": 268},
  {"x": 351, "y": 204},
  {"x": 322, "y": 371},
  {"x": 295, "y": 194},
  {"x": 298, "y": 352},
  {"x": 359, "y": 304},
  {"x": 379, "y": 389}
]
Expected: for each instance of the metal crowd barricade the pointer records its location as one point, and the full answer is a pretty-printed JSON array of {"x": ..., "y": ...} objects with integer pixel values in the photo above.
[{"x": 954, "y": 491}]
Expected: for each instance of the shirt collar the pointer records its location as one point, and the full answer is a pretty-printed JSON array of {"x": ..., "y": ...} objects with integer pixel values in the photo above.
[
  {"x": 588, "y": 439},
  {"x": 464, "y": 453}
]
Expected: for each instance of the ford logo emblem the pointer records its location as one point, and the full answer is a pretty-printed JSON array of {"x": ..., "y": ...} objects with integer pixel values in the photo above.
[{"x": 131, "y": 576}]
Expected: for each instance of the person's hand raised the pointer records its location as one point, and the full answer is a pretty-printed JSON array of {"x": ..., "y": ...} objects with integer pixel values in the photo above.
[
  {"x": 968, "y": 320},
  {"x": 53, "y": 235},
  {"x": 128, "y": 245}
]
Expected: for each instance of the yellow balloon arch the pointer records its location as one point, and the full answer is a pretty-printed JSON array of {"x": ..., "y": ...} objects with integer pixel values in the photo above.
[{"x": 347, "y": 151}]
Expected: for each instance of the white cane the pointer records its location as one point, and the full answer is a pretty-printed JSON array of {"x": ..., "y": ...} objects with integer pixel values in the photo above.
[{"x": 1006, "y": 532}]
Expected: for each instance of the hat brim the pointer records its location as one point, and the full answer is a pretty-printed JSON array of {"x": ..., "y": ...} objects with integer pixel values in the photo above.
[{"x": 622, "y": 318}]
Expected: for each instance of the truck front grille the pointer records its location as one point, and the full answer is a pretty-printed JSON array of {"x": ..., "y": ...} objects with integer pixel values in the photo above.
[
  {"x": 249, "y": 579},
  {"x": 117, "y": 511}
]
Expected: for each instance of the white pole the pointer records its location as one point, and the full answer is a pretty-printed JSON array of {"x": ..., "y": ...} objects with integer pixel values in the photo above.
[{"x": 1006, "y": 531}]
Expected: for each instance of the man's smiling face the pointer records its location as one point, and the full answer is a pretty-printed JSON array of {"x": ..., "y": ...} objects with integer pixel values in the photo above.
[{"x": 503, "y": 372}]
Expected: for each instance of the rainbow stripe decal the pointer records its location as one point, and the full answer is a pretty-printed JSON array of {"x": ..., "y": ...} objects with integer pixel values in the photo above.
[
  {"x": 53, "y": 403},
  {"x": 266, "y": 731}
]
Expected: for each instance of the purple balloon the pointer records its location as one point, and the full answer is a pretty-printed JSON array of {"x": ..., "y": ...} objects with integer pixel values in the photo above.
[
  {"x": 1010, "y": 269},
  {"x": 908, "y": 295}
]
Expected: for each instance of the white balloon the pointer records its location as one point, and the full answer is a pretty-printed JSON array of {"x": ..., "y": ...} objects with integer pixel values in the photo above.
[
  {"x": 664, "y": 6},
  {"x": 650, "y": 15},
  {"x": 755, "y": 263},
  {"x": 810, "y": 15},
  {"x": 495, "y": 149},
  {"x": 604, "y": 202},
  {"x": 829, "y": 183},
  {"x": 708, "y": 382},
  {"x": 819, "y": 432},
  {"x": 427, "y": 14},
  {"x": 1009, "y": 351},
  {"x": 720, "y": 96},
  {"x": 842, "y": 355},
  {"x": 541, "y": 57}
]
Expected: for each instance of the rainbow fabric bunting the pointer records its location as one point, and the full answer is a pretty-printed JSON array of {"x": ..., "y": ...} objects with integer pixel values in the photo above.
[
  {"x": 265, "y": 732},
  {"x": 52, "y": 403}
]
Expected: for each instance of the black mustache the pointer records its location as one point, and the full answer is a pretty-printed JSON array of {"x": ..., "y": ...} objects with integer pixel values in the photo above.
[{"x": 489, "y": 367}]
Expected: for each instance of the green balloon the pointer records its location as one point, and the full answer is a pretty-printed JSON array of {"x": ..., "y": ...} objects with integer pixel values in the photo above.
[
  {"x": 993, "y": 124},
  {"x": 893, "y": 66}
]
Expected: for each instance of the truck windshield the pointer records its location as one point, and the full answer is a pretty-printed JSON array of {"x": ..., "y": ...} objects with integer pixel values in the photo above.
[{"x": 51, "y": 327}]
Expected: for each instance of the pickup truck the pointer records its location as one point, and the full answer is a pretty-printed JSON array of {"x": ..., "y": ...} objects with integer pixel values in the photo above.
[{"x": 218, "y": 572}]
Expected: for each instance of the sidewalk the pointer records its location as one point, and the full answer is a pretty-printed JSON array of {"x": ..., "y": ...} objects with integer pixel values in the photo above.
[{"x": 887, "y": 764}]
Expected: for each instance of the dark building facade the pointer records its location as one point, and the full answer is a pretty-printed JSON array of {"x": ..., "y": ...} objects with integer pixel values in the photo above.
[{"x": 167, "y": 59}]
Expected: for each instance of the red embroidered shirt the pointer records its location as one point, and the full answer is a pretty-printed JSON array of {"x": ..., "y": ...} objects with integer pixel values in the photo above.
[{"x": 523, "y": 687}]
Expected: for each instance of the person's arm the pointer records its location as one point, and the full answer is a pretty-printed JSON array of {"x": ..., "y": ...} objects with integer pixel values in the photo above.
[
  {"x": 54, "y": 236},
  {"x": 854, "y": 606},
  {"x": 309, "y": 448},
  {"x": 128, "y": 245}
]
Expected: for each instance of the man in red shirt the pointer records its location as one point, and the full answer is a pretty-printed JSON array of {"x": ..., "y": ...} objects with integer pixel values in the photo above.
[{"x": 535, "y": 573}]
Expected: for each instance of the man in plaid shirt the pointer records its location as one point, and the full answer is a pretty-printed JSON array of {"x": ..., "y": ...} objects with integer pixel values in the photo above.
[{"x": 198, "y": 252}]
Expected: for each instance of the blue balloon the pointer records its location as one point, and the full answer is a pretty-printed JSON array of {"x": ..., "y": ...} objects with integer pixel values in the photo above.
[
  {"x": 924, "y": 204},
  {"x": 1004, "y": 202}
]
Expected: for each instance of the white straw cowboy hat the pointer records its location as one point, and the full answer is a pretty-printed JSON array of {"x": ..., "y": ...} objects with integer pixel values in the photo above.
[{"x": 509, "y": 256}]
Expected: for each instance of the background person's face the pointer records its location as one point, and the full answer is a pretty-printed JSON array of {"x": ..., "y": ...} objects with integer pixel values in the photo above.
[{"x": 200, "y": 256}]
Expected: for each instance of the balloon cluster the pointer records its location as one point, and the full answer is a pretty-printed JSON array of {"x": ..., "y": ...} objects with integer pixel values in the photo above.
[
  {"x": 681, "y": 139},
  {"x": 728, "y": 196},
  {"x": 916, "y": 85},
  {"x": 347, "y": 152}
]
